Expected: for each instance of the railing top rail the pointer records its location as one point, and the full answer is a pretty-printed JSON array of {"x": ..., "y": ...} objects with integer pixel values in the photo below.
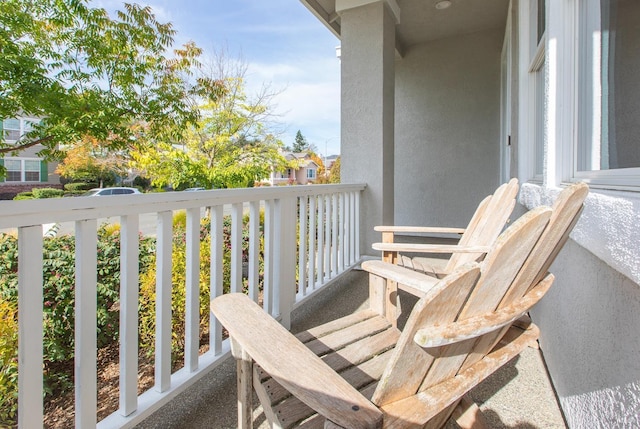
[{"x": 15, "y": 214}]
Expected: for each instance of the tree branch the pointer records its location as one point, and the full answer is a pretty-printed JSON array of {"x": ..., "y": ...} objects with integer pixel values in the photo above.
[{"x": 24, "y": 146}]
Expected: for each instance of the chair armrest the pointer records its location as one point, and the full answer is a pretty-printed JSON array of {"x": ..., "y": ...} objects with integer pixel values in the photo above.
[
  {"x": 411, "y": 281},
  {"x": 419, "y": 229},
  {"x": 429, "y": 248},
  {"x": 473, "y": 327},
  {"x": 292, "y": 364}
]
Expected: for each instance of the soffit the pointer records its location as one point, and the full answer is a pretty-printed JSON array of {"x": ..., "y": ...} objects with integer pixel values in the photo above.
[{"x": 421, "y": 22}]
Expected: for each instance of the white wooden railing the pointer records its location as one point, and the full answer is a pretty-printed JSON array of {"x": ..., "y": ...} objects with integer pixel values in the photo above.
[{"x": 328, "y": 229}]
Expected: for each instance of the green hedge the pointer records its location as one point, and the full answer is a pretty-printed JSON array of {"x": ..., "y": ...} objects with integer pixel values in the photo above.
[
  {"x": 79, "y": 186},
  {"x": 47, "y": 193}
]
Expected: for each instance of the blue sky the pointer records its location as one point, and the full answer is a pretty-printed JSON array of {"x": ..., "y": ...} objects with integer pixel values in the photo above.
[{"x": 282, "y": 43}]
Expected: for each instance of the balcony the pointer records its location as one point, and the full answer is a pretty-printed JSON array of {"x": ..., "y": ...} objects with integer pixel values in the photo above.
[{"x": 310, "y": 251}]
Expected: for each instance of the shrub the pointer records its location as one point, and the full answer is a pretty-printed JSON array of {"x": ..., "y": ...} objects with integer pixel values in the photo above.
[
  {"x": 79, "y": 186},
  {"x": 141, "y": 183},
  {"x": 147, "y": 315},
  {"x": 24, "y": 196},
  {"x": 8, "y": 363},
  {"x": 47, "y": 193},
  {"x": 59, "y": 292}
]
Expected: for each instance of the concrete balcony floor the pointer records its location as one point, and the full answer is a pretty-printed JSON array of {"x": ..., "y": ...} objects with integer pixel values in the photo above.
[{"x": 519, "y": 395}]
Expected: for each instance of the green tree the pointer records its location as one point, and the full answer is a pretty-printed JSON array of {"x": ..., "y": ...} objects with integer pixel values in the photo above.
[
  {"x": 233, "y": 145},
  {"x": 88, "y": 74},
  {"x": 334, "y": 172},
  {"x": 300, "y": 144}
]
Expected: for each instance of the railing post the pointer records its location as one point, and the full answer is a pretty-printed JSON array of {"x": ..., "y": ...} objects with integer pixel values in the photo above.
[
  {"x": 192, "y": 296},
  {"x": 86, "y": 328},
  {"x": 215, "y": 284},
  {"x": 236, "y": 248},
  {"x": 129, "y": 288},
  {"x": 312, "y": 241},
  {"x": 302, "y": 249},
  {"x": 30, "y": 336},
  {"x": 321, "y": 223},
  {"x": 254, "y": 248},
  {"x": 164, "y": 244},
  {"x": 285, "y": 273},
  {"x": 269, "y": 260}
]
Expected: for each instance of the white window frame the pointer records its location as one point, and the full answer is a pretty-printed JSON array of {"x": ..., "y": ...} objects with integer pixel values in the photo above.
[
  {"x": 23, "y": 170},
  {"x": 532, "y": 114},
  {"x": 311, "y": 173},
  {"x": 620, "y": 178},
  {"x": 24, "y": 127}
]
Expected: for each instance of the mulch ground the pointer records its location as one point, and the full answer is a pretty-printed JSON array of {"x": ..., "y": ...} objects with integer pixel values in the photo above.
[{"x": 59, "y": 410}]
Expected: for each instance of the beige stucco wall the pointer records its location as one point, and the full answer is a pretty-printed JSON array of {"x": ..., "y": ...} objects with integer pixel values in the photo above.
[
  {"x": 447, "y": 155},
  {"x": 589, "y": 319},
  {"x": 589, "y": 323},
  {"x": 367, "y": 113}
]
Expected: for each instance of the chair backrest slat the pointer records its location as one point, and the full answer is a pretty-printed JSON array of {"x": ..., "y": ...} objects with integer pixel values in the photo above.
[{"x": 487, "y": 223}]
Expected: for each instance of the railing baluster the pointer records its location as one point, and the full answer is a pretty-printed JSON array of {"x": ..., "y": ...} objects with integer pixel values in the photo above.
[
  {"x": 312, "y": 241},
  {"x": 284, "y": 279},
  {"x": 352, "y": 228},
  {"x": 164, "y": 243},
  {"x": 236, "y": 247},
  {"x": 216, "y": 286},
  {"x": 342, "y": 251},
  {"x": 129, "y": 287},
  {"x": 334, "y": 236},
  {"x": 327, "y": 238},
  {"x": 357, "y": 226},
  {"x": 254, "y": 249},
  {"x": 302, "y": 249},
  {"x": 86, "y": 324},
  {"x": 321, "y": 224},
  {"x": 30, "y": 336},
  {"x": 192, "y": 313},
  {"x": 267, "y": 291}
]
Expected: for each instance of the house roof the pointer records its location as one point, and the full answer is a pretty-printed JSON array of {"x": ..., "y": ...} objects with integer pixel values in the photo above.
[{"x": 420, "y": 21}]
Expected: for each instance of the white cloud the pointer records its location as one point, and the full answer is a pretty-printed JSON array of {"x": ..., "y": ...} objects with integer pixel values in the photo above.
[{"x": 310, "y": 98}]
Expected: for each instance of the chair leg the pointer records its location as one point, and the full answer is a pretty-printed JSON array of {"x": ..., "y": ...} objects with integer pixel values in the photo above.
[
  {"x": 244, "y": 381},
  {"x": 468, "y": 415},
  {"x": 245, "y": 394}
]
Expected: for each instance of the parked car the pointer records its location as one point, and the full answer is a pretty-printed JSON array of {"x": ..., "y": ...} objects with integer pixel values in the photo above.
[
  {"x": 99, "y": 192},
  {"x": 194, "y": 189}
]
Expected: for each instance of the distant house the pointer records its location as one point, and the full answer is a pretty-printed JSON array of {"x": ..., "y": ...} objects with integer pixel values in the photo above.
[
  {"x": 306, "y": 173},
  {"x": 26, "y": 170}
]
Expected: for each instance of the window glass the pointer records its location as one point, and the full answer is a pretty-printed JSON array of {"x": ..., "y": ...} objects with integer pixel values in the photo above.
[
  {"x": 311, "y": 174},
  {"x": 31, "y": 171},
  {"x": 542, "y": 20},
  {"x": 14, "y": 170},
  {"x": 609, "y": 131},
  {"x": 11, "y": 129}
]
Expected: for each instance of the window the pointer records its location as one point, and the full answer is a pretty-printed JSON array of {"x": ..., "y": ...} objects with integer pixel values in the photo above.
[
  {"x": 11, "y": 129},
  {"x": 22, "y": 170},
  {"x": 14, "y": 170},
  {"x": 608, "y": 135},
  {"x": 311, "y": 173},
  {"x": 537, "y": 72}
]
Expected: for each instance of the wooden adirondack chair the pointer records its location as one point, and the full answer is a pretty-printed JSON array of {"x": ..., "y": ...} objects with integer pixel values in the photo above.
[
  {"x": 475, "y": 240},
  {"x": 361, "y": 372}
]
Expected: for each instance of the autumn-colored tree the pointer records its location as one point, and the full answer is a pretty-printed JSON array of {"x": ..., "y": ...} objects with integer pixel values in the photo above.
[{"x": 91, "y": 161}]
